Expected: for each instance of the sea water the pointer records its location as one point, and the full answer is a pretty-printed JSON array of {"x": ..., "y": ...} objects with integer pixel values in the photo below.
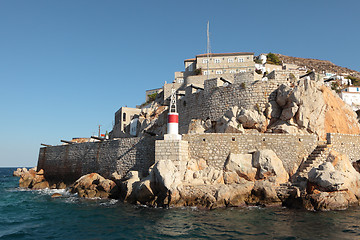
[{"x": 27, "y": 214}]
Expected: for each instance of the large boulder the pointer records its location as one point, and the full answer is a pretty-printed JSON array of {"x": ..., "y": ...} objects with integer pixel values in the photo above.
[
  {"x": 32, "y": 179},
  {"x": 252, "y": 119},
  {"x": 196, "y": 126},
  {"x": 269, "y": 166},
  {"x": 283, "y": 94},
  {"x": 94, "y": 185},
  {"x": 229, "y": 125},
  {"x": 327, "y": 178},
  {"x": 242, "y": 165},
  {"x": 166, "y": 175},
  {"x": 128, "y": 185}
]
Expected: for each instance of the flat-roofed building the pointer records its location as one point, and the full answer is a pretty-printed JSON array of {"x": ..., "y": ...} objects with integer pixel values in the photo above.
[
  {"x": 220, "y": 63},
  {"x": 123, "y": 119}
]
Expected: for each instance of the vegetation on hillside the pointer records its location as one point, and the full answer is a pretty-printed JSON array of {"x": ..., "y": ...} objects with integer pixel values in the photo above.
[
  {"x": 273, "y": 59},
  {"x": 354, "y": 80}
]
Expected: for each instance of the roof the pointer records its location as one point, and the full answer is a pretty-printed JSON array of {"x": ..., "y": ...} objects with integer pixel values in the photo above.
[
  {"x": 225, "y": 54},
  {"x": 190, "y": 60}
]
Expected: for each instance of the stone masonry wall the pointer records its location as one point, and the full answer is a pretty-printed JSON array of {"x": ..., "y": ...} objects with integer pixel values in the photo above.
[
  {"x": 216, "y": 147},
  {"x": 175, "y": 150},
  {"x": 212, "y": 103},
  {"x": 69, "y": 162},
  {"x": 346, "y": 144}
]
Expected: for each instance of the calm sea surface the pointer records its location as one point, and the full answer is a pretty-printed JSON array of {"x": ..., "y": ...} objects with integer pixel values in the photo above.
[{"x": 35, "y": 215}]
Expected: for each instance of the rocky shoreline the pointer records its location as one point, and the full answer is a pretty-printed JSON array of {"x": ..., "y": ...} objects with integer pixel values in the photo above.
[{"x": 256, "y": 178}]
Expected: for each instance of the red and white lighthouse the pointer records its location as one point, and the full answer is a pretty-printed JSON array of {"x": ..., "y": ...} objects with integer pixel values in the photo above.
[
  {"x": 173, "y": 123},
  {"x": 173, "y": 120}
]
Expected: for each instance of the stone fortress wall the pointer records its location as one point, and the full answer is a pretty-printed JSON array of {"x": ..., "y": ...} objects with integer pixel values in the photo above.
[
  {"x": 70, "y": 162},
  {"x": 216, "y": 147},
  {"x": 348, "y": 144},
  {"x": 217, "y": 97}
]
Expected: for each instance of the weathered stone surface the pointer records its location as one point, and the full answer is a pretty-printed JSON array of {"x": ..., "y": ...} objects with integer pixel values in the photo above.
[
  {"x": 18, "y": 172},
  {"x": 273, "y": 110},
  {"x": 165, "y": 173},
  {"x": 269, "y": 166},
  {"x": 26, "y": 180},
  {"x": 283, "y": 94},
  {"x": 338, "y": 200},
  {"x": 327, "y": 178},
  {"x": 285, "y": 127},
  {"x": 252, "y": 119},
  {"x": 56, "y": 195},
  {"x": 289, "y": 111},
  {"x": 197, "y": 126},
  {"x": 264, "y": 192},
  {"x": 40, "y": 185},
  {"x": 128, "y": 185},
  {"x": 93, "y": 185},
  {"x": 242, "y": 165}
]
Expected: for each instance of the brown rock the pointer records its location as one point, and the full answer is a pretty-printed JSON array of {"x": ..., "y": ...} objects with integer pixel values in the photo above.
[
  {"x": 61, "y": 185},
  {"x": 93, "y": 185},
  {"x": 25, "y": 180},
  {"x": 242, "y": 165},
  {"x": 40, "y": 185},
  {"x": 56, "y": 195}
]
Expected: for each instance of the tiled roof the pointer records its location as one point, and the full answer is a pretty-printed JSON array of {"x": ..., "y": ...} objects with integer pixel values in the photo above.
[{"x": 190, "y": 60}]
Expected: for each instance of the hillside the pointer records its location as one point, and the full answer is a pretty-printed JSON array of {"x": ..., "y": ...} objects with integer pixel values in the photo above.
[{"x": 318, "y": 65}]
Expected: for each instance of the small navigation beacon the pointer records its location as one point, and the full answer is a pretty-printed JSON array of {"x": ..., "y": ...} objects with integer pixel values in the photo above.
[{"x": 173, "y": 120}]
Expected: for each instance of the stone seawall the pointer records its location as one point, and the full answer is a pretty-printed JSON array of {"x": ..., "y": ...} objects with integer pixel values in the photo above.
[
  {"x": 69, "y": 162},
  {"x": 345, "y": 144},
  {"x": 216, "y": 147}
]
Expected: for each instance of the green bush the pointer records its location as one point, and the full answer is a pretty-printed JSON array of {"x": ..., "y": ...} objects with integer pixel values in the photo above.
[
  {"x": 354, "y": 80},
  {"x": 152, "y": 97},
  {"x": 273, "y": 59}
]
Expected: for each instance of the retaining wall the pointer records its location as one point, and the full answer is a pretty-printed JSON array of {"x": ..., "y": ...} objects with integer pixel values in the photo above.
[
  {"x": 345, "y": 144},
  {"x": 214, "y": 101},
  {"x": 216, "y": 147},
  {"x": 69, "y": 162}
]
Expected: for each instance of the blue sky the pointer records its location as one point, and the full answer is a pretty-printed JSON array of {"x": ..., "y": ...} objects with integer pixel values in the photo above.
[{"x": 67, "y": 66}]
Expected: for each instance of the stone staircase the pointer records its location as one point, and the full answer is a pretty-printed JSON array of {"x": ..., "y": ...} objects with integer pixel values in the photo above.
[{"x": 317, "y": 157}]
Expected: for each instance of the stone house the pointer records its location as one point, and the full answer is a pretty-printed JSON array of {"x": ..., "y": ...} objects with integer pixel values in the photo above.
[{"x": 123, "y": 118}]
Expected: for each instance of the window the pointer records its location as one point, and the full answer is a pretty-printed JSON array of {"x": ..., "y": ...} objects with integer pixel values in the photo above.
[
  {"x": 242, "y": 70},
  {"x": 232, "y": 71},
  {"x": 205, "y": 60},
  {"x": 217, "y": 60},
  {"x": 219, "y": 72},
  {"x": 240, "y": 60},
  {"x": 190, "y": 68},
  {"x": 124, "y": 117},
  {"x": 357, "y": 89},
  {"x": 180, "y": 80},
  {"x": 206, "y": 73},
  {"x": 230, "y": 60}
]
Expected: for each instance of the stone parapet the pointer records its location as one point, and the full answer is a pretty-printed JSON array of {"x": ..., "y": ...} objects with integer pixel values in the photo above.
[{"x": 69, "y": 162}]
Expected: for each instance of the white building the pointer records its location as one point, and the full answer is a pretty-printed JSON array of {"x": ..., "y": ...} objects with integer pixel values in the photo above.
[{"x": 351, "y": 96}]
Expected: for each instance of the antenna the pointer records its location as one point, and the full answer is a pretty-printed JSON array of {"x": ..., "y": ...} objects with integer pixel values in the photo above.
[
  {"x": 173, "y": 101},
  {"x": 208, "y": 48}
]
